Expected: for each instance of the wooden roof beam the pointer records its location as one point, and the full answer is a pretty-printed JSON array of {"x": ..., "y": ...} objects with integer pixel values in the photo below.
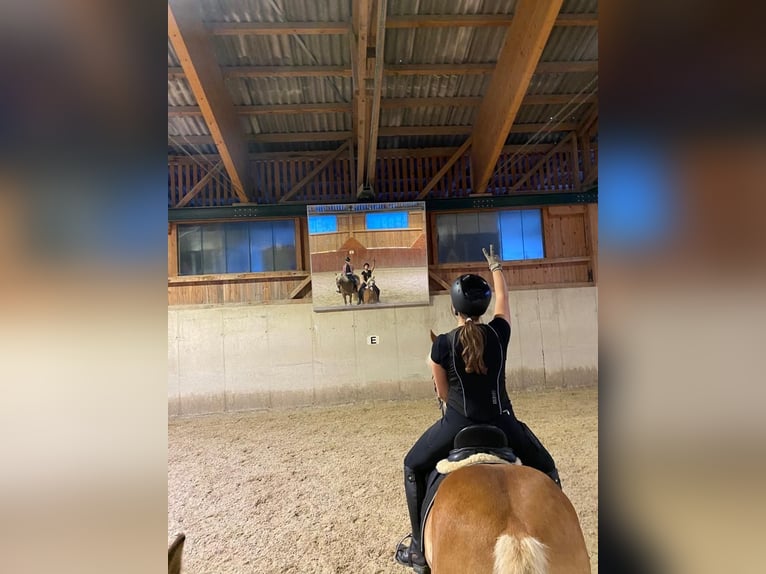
[
  {"x": 524, "y": 42},
  {"x": 396, "y": 22},
  {"x": 388, "y": 131},
  {"x": 194, "y": 48},
  {"x": 480, "y": 20},
  {"x": 393, "y": 70},
  {"x": 361, "y": 19},
  {"x": 387, "y": 103},
  {"x": 276, "y": 28},
  {"x": 377, "y": 88}
]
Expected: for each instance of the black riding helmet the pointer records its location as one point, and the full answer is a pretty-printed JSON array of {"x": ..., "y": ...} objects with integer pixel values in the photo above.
[{"x": 470, "y": 295}]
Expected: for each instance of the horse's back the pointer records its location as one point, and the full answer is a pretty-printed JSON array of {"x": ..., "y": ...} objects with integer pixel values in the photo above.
[{"x": 506, "y": 509}]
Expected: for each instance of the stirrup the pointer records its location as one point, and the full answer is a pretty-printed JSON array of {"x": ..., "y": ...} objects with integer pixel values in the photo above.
[{"x": 406, "y": 549}]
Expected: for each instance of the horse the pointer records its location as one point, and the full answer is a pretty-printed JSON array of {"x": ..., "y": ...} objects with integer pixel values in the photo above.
[
  {"x": 371, "y": 293},
  {"x": 490, "y": 518},
  {"x": 346, "y": 287},
  {"x": 174, "y": 554},
  {"x": 503, "y": 519}
]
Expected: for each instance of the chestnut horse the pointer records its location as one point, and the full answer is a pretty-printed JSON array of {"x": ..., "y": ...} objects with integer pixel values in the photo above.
[{"x": 503, "y": 519}]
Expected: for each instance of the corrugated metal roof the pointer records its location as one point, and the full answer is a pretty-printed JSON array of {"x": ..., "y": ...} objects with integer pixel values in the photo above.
[
  {"x": 441, "y": 8},
  {"x": 277, "y": 11},
  {"x": 439, "y": 45},
  {"x": 283, "y": 50},
  {"x": 571, "y": 44},
  {"x": 272, "y": 91}
]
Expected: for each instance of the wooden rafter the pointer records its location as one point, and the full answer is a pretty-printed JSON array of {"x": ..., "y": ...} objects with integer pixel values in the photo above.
[
  {"x": 524, "y": 43},
  {"x": 377, "y": 90},
  {"x": 541, "y": 162},
  {"x": 445, "y": 168},
  {"x": 393, "y": 70},
  {"x": 313, "y": 173},
  {"x": 300, "y": 287},
  {"x": 386, "y": 103},
  {"x": 361, "y": 19},
  {"x": 199, "y": 185},
  {"x": 475, "y": 20},
  {"x": 276, "y": 28},
  {"x": 194, "y": 49},
  {"x": 389, "y": 131},
  {"x": 384, "y": 153},
  {"x": 397, "y": 22}
]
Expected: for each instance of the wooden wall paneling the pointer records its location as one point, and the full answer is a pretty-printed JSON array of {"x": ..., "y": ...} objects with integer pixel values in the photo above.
[
  {"x": 420, "y": 174},
  {"x": 550, "y": 248},
  {"x": 172, "y": 250},
  {"x": 592, "y": 235},
  {"x": 262, "y": 181},
  {"x": 270, "y": 181},
  {"x": 330, "y": 193},
  {"x": 172, "y": 169},
  {"x": 279, "y": 182},
  {"x": 319, "y": 186}
]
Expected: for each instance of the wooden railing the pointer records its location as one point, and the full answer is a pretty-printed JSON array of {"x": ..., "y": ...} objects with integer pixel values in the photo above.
[{"x": 399, "y": 177}]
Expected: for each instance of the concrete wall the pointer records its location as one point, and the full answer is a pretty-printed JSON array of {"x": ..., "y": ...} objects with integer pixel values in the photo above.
[{"x": 228, "y": 358}]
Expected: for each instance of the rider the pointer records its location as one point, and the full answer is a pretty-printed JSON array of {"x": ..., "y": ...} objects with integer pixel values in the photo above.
[
  {"x": 348, "y": 271},
  {"x": 366, "y": 274},
  {"x": 468, "y": 366}
]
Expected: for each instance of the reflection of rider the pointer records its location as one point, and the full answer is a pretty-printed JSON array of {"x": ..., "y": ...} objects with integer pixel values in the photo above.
[
  {"x": 348, "y": 271},
  {"x": 468, "y": 366},
  {"x": 366, "y": 274}
]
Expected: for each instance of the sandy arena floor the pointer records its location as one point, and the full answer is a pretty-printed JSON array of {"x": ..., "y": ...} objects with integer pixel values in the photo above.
[{"x": 320, "y": 490}]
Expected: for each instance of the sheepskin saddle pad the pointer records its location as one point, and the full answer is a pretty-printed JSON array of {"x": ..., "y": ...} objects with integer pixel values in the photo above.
[{"x": 478, "y": 444}]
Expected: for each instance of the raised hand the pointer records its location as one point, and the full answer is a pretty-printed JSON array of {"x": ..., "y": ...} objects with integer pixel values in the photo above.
[{"x": 492, "y": 258}]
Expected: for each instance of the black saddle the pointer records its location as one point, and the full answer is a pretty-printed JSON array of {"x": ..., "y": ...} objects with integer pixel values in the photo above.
[{"x": 481, "y": 438}]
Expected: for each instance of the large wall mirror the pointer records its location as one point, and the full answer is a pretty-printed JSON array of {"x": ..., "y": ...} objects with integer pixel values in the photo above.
[{"x": 366, "y": 255}]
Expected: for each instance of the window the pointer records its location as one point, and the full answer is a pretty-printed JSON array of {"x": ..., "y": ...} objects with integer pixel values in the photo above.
[
  {"x": 322, "y": 224},
  {"x": 238, "y": 247},
  {"x": 515, "y": 234},
  {"x": 386, "y": 220}
]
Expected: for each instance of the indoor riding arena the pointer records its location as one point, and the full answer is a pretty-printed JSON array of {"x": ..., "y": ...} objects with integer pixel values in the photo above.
[{"x": 421, "y": 133}]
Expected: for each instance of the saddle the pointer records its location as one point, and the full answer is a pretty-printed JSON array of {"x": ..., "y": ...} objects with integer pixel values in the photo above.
[
  {"x": 475, "y": 444},
  {"x": 481, "y": 439}
]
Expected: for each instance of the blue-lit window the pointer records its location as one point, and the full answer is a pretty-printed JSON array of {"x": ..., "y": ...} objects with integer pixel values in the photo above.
[
  {"x": 322, "y": 224},
  {"x": 386, "y": 220},
  {"x": 237, "y": 247},
  {"x": 521, "y": 234},
  {"x": 515, "y": 234}
]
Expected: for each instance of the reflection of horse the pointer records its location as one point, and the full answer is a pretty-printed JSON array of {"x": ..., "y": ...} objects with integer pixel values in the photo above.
[
  {"x": 371, "y": 293},
  {"x": 502, "y": 519},
  {"x": 346, "y": 287},
  {"x": 174, "y": 554}
]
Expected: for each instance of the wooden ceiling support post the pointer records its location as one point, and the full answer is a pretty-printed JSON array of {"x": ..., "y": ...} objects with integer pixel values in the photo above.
[
  {"x": 527, "y": 35},
  {"x": 380, "y": 42},
  {"x": 193, "y": 45},
  {"x": 361, "y": 17}
]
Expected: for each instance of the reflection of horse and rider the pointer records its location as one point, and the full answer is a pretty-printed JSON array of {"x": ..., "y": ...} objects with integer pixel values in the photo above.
[{"x": 348, "y": 283}]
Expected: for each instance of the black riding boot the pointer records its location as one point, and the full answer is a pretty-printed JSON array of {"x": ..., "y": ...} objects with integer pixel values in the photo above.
[
  {"x": 412, "y": 555},
  {"x": 537, "y": 456}
]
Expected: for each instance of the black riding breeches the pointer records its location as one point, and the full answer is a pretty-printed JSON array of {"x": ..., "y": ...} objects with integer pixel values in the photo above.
[{"x": 437, "y": 441}]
